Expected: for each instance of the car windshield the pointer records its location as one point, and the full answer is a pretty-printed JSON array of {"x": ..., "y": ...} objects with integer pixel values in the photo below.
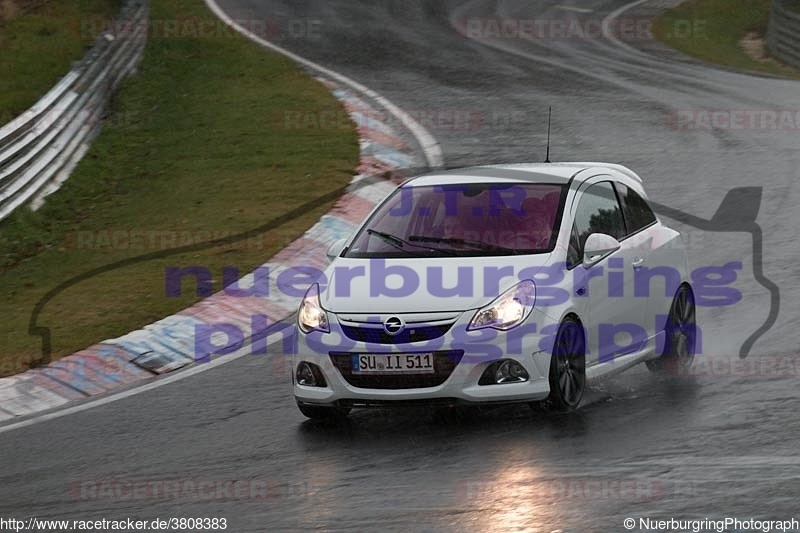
[{"x": 473, "y": 219}]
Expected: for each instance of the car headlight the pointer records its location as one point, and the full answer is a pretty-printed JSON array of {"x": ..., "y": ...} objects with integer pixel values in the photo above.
[
  {"x": 507, "y": 310},
  {"x": 311, "y": 315}
]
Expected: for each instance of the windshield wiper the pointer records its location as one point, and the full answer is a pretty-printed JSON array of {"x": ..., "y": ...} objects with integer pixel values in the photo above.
[
  {"x": 400, "y": 244},
  {"x": 453, "y": 240},
  {"x": 394, "y": 240}
]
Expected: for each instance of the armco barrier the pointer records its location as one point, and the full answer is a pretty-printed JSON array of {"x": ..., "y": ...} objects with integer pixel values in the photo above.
[
  {"x": 169, "y": 344},
  {"x": 783, "y": 36},
  {"x": 39, "y": 148}
]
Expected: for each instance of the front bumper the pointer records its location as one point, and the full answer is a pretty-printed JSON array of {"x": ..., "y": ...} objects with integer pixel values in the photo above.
[{"x": 462, "y": 358}]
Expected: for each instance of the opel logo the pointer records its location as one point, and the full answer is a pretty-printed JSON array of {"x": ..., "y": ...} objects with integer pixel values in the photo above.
[{"x": 394, "y": 325}]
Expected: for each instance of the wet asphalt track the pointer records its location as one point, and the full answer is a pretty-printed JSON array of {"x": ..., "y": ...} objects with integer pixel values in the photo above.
[{"x": 716, "y": 445}]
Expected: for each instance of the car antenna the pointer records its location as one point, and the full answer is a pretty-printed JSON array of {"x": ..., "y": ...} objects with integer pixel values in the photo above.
[{"x": 549, "y": 115}]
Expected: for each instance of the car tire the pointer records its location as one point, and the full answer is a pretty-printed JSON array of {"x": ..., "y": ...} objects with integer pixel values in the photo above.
[
  {"x": 680, "y": 336},
  {"x": 323, "y": 412},
  {"x": 567, "y": 367}
]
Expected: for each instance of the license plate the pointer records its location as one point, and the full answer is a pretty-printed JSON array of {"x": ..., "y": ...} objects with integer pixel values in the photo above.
[{"x": 417, "y": 363}]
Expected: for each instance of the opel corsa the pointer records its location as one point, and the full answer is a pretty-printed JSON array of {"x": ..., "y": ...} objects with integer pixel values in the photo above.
[{"x": 495, "y": 284}]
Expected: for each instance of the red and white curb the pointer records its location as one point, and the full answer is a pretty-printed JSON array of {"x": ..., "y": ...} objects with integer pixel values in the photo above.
[{"x": 169, "y": 344}]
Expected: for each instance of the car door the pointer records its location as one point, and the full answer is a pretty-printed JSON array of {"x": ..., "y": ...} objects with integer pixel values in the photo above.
[
  {"x": 655, "y": 278},
  {"x": 615, "y": 320}
]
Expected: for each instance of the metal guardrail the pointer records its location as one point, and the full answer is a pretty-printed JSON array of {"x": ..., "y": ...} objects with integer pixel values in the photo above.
[
  {"x": 783, "y": 36},
  {"x": 39, "y": 148}
]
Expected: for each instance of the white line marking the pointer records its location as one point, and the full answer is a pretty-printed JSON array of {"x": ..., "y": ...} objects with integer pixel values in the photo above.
[
  {"x": 552, "y": 61},
  {"x": 430, "y": 146},
  {"x": 160, "y": 382},
  {"x": 576, "y": 9},
  {"x": 608, "y": 33}
]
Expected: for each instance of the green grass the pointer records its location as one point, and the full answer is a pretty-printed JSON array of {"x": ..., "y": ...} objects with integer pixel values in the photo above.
[
  {"x": 196, "y": 143},
  {"x": 712, "y": 29},
  {"x": 37, "y": 47}
]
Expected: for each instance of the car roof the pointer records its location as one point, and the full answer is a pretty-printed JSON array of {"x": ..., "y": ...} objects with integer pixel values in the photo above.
[{"x": 525, "y": 172}]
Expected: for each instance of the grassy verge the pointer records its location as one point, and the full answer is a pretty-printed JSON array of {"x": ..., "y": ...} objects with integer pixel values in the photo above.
[
  {"x": 38, "y": 44},
  {"x": 196, "y": 147},
  {"x": 711, "y": 30}
]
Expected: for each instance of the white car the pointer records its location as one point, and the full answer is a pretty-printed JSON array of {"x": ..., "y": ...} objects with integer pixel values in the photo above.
[{"x": 490, "y": 284}]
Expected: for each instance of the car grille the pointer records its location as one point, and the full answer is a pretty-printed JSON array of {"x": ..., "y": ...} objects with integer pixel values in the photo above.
[
  {"x": 377, "y": 335},
  {"x": 443, "y": 364}
]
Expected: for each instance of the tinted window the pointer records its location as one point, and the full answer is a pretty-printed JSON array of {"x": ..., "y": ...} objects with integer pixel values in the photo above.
[
  {"x": 638, "y": 214},
  {"x": 463, "y": 219},
  {"x": 599, "y": 212}
]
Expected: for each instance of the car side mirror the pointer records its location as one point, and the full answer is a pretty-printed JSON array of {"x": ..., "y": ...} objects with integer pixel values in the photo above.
[
  {"x": 598, "y": 246},
  {"x": 335, "y": 249}
]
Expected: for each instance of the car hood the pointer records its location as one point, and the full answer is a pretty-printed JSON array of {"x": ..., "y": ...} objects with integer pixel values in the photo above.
[{"x": 412, "y": 285}]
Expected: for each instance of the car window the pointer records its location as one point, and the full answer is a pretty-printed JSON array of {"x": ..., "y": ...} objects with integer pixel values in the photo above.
[
  {"x": 573, "y": 249},
  {"x": 598, "y": 212},
  {"x": 637, "y": 213},
  {"x": 474, "y": 219}
]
